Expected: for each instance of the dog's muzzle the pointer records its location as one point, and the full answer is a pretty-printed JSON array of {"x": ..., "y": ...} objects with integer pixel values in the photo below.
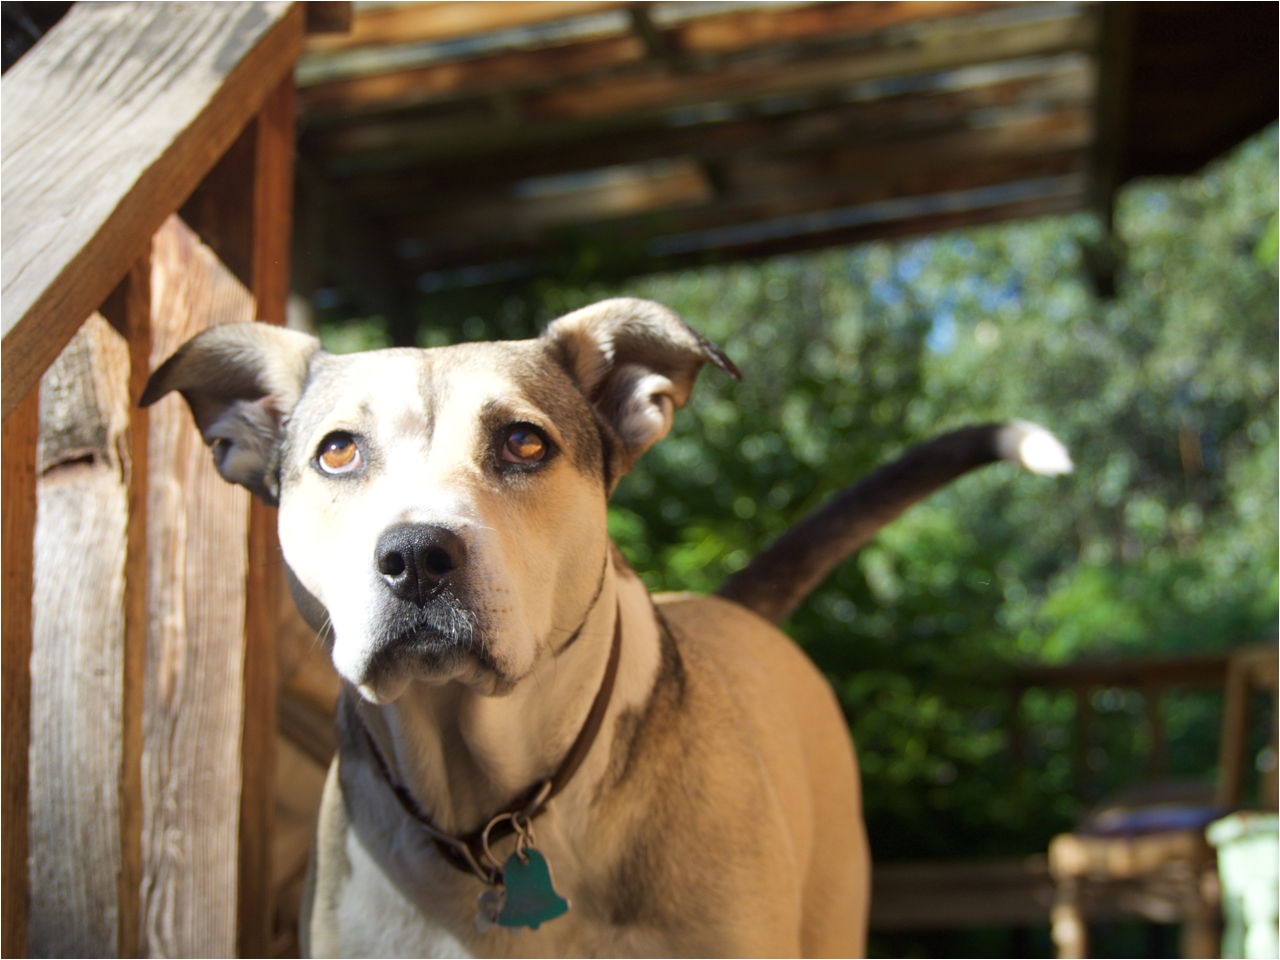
[{"x": 423, "y": 622}]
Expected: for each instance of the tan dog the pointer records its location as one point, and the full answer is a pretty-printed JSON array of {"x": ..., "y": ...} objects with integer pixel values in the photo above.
[{"x": 538, "y": 758}]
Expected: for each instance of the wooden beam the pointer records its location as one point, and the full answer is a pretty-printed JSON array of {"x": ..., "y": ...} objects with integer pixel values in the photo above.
[
  {"x": 405, "y": 23},
  {"x": 776, "y": 242},
  {"x": 758, "y": 188},
  {"x": 79, "y": 650},
  {"x": 637, "y": 103},
  {"x": 328, "y": 16},
  {"x": 81, "y": 201},
  {"x": 744, "y": 29},
  {"x": 130, "y": 313},
  {"x": 626, "y": 192},
  {"x": 272, "y": 197},
  {"x": 18, "y": 508},
  {"x": 197, "y": 555},
  {"x": 507, "y": 71},
  {"x": 657, "y": 90},
  {"x": 488, "y": 165}
]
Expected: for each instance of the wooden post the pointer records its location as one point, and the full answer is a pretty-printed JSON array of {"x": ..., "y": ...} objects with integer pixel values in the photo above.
[
  {"x": 269, "y": 283},
  {"x": 18, "y": 507},
  {"x": 78, "y": 644},
  {"x": 195, "y": 658},
  {"x": 133, "y": 302}
]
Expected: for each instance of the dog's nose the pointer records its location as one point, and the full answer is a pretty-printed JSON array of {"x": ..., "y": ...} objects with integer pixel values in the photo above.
[{"x": 413, "y": 559}]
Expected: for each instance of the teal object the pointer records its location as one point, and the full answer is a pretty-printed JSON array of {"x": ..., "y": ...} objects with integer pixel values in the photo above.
[
  {"x": 1248, "y": 851},
  {"x": 531, "y": 898}
]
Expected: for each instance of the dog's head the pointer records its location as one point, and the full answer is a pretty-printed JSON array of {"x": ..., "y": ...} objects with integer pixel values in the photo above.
[{"x": 442, "y": 510}]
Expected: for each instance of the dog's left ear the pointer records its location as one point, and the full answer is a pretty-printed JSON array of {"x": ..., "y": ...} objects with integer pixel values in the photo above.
[
  {"x": 240, "y": 380},
  {"x": 636, "y": 361}
]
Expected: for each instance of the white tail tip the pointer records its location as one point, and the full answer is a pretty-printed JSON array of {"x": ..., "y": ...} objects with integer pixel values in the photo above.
[{"x": 1034, "y": 447}]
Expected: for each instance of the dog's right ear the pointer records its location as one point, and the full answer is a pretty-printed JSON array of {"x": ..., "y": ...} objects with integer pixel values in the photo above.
[
  {"x": 240, "y": 381},
  {"x": 636, "y": 361}
]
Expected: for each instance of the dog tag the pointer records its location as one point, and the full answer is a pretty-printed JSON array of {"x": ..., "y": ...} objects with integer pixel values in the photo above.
[
  {"x": 530, "y": 899},
  {"x": 489, "y": 905}
]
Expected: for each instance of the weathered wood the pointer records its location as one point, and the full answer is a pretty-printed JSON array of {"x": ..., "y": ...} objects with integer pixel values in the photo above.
[
  {"x": 194, "y": 709},
  {"x": 328, "y": 16},
  {"x": 491, "y": 164},
  {"x": 738, "y": 30},
  {"x": 678, "y": 184},
  {"x": 18, "y": 510},
  {"x": 521, "y": 69},
  {"x": 134, "y": 298},
  {"x": 760, "y": 189},
  {"x": 939, "y": 895},
  {"x": 926, "y": 215},
  {"x": 658, "y": 90},
  {"x": 81, "y": 201},
  {"x": 272, "y": 194},
  {"x": 587, "y": 110},
  {"x": 406, "y": 23},
  {"x": 78, "y": 655}
]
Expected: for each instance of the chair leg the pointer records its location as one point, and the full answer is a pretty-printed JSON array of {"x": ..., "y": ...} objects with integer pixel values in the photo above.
[{"x": 1070, "y": 935}]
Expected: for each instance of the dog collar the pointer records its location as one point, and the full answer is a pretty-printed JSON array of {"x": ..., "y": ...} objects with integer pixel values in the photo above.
[{"x": 520, "y": 892}]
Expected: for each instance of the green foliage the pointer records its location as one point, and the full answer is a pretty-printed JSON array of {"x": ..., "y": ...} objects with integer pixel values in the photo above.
[{"x": 1164, "y": 540}]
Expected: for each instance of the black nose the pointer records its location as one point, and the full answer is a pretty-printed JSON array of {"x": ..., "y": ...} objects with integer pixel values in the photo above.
[{"x": 414, "y": 558}]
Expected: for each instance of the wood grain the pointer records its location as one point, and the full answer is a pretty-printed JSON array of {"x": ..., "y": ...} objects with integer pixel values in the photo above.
[
  {"x": 110, "y": 122},
  {"x": 404, "y": 23},
  {"x": 134, "y": 296},
  {"x": 18, "y": 513},
  {"x": 272, "y": 195},
  {"x": 78, "y": 658},
  {"x": 195, "y": 659}
]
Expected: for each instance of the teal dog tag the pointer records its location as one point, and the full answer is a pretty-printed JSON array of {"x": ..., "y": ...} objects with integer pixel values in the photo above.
[{"x": 530, "y": 899}]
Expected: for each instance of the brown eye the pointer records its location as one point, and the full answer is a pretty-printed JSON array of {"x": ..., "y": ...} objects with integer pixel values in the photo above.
[
  {"x": 339, "y": 454},
  {"x": 524, "y": 445}
]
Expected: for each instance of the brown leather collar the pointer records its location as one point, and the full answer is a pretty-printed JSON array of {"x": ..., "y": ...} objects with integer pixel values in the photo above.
[{"x": 471, "y": 853}]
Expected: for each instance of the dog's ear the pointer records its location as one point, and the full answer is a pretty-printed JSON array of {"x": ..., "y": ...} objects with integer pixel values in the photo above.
[
  {"x": 240, "y": 381},
  {"x": 636, "y": 361}
]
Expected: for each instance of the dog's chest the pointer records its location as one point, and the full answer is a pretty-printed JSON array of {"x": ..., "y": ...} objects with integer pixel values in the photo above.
[{"x": 371, "y": 917}]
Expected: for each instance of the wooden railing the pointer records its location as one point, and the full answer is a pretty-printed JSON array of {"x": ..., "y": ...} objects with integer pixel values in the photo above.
[{"x": 139, "y": 671}]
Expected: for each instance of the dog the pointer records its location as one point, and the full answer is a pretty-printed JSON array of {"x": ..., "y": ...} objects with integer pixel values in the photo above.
[{"x": 536, "y": 756}]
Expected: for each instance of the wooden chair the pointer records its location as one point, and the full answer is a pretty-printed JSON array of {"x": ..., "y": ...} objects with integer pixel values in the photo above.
[{"x": 1151, "y": 859}]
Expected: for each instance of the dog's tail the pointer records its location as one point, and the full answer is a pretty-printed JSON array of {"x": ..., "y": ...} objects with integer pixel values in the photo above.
[{"x": 781, "y": 576}]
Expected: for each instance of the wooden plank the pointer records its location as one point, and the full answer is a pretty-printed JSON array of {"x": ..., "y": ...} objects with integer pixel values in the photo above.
[
  {"x": 18, "y": 509},
  {"x": 197, "y": 567},
  {"x": 508, "y": 70},
  {"x": 328, "y": 16},
  {"x": 81, "y": 201},
  {"x": 405, "y": 23},
  {"x": 751, "y": 245},
  {"x": 620, "y": 193},
  {"x": 936, "y": 895},
  {"x": 765, "y": 187},
  {"x": 79, "y": 650},
  {"x": 656, "y": 90},
  {"x": 272, "y": 186},
  {"x": 135, "y": 296},
  {"x": 452, "y": 165},
  {"x": 1193, "y": 670},
  {"x": 638, "y": 101},
  {"x": 739, "y": 30}
]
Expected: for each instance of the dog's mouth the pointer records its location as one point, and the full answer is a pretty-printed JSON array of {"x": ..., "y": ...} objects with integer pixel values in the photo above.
[{"x": 436, "y": 642}]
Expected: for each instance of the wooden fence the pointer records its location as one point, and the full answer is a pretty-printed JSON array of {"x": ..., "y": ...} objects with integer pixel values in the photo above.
[{"x": 147, "y": 181}]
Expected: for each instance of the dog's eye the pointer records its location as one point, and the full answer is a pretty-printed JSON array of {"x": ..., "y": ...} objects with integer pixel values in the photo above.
[
  {"x": 524, "y": 444},
  {"x": 339, "y": 454}
]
